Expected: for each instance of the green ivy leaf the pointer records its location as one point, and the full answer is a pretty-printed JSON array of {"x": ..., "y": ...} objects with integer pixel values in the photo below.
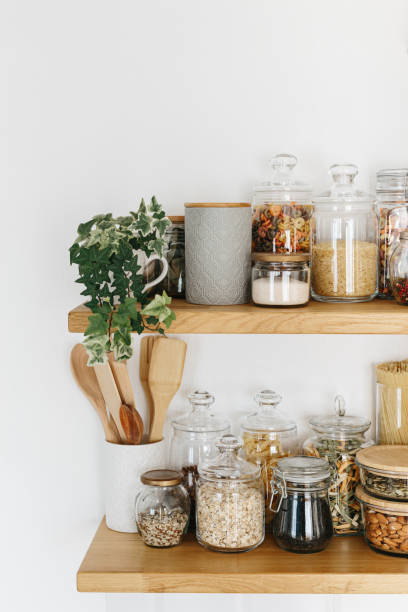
[
  {"x": 154, "y": 206},
  {"x": 97, "y": 325},
  {"x": 161, "y": 225}
]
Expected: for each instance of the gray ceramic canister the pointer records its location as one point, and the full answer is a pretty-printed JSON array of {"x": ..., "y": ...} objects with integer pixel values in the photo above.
[{"x": 218, "y": 253}]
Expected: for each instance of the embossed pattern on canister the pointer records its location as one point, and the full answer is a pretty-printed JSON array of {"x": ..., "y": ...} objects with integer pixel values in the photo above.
[{"x": 218, "y": 253}]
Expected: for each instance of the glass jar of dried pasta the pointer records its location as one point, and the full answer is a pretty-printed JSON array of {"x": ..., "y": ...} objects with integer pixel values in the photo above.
[
  {"x": 268, "y": 436},
  {"x": 282, "y": 210}
]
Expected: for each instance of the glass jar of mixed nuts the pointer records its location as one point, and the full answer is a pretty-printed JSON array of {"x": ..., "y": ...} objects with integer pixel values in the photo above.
[
  {"x": 392, "y": 209},
  {"x": 282, "y": 210},
  {"x": 162, "y": 509},
  {"x": 230, "y": 501},
  {"x": 385, "y": 524},
  {"x": 268, "y": 436},
  {"x": 337, "y": 439}
]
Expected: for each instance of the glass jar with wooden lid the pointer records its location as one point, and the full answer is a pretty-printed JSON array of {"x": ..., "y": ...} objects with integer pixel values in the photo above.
[
  {"x": 384, "y": 471},
  {"x": 162, "y": 508},
  {"x": 385, "y": 524},
  {"x": 280, "y": 280}
]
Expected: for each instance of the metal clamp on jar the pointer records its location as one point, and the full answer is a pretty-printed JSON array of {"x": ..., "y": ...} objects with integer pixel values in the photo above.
[{"x": 303, "y": 521}]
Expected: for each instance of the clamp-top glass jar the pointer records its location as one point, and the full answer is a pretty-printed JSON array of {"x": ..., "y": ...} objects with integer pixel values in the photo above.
[
  {"x": 230, "y": 501},
  {"x": 282, "y": 211},
  {"x": 392, "y": 208},
  {"x": 303, "y": 523},
  {"x": 337, "y": 439},
  {"x": 344, "y": 241},
  {"x": 268, "y": 436},
  {"x": 193, "y": 438}
]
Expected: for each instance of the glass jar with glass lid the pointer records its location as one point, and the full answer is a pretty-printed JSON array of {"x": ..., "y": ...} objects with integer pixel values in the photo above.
[
  {"x": 344, "y": 241},
  {"x": 230, "y": 501},
  {"x": 268, "y": 436},
  {"x": 162, "y": 508},
  {"x": 282, "y": 210},
  {"x": 399, "y": 270},
  {"x": 392, "y": 208},
  {"x": 193, "y": 438},
  {"x": 303, "y": 522},
  {"x": 280, "y": 280},
  {"x": 337, "y": 439}
]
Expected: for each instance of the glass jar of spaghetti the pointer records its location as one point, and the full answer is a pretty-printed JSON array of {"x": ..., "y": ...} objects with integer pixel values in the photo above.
[
  {"x": 337, "y": 439},
  {"x": 268, "y": 436},
  {"x": 282, "y": 211},
  {"x": 392, "y": 209}
]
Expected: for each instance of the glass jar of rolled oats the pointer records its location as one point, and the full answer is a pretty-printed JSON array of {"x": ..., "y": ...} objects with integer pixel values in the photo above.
[{"x": 229, "y": 501}]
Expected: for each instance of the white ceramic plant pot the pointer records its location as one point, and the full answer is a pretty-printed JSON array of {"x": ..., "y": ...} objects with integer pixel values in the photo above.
[{"x": 123, "y": 466}]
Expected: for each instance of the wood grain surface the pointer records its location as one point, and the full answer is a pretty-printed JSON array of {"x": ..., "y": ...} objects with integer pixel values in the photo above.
[
  {"x": 121, "y": 563},
  {"x": 377, "y": 317}
]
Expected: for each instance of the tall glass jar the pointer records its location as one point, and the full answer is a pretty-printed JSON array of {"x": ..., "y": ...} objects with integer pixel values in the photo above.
[
  {"x": 344, "y": 241},
  {"x": 303, "y": 523},
  {"x": 268, "y": 436},
  {"x": 392, "y": 208},
  {"x": 399, "y": 270},
  {"x": 230, "y": 501},
  {"x": 162, "y": 508},
  {"x": 174, "y": 283},
  {"x": 337, "y": 439},
  {"x": 280, "y": 280},
  {"x": 193, "y": 439},
  {"x": 282, "y": 210}
]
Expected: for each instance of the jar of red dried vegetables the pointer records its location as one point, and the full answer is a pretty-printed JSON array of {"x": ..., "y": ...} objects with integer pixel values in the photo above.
[
  {"x": 392, "y": 209},
  {"x": 399, "y": 271},
  {"x": 282, "y": 210}
]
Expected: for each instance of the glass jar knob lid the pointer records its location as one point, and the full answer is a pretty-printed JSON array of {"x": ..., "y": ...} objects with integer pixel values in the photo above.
[{"x": 339, "y": 424}]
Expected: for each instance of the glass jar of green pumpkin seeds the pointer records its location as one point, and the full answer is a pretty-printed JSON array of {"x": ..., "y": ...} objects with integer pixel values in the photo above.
[{"x": 337, "y": 439}]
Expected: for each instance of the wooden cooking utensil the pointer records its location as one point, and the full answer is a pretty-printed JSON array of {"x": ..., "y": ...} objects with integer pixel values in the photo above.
[
  {"x": 121, "y": 375},
  {"x": 146, "y": 347},
  {"x": 111, "y": 395},
  {"x": 165, "y": 374},
  {"x": 132, "y": 424},
  {"x": 88, "y": 383}
]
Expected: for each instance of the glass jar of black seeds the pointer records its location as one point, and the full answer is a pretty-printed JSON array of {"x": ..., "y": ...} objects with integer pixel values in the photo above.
[{"x": 303, "y": 522}]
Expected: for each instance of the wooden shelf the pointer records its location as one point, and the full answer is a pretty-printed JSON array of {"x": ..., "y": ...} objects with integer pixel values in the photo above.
[
  {"x": 121, "y": 563},
  {"x": 377, "y": 317}
]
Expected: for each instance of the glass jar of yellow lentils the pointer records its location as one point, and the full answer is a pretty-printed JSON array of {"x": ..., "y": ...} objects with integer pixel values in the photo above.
[{"x": 268, "y": 436}]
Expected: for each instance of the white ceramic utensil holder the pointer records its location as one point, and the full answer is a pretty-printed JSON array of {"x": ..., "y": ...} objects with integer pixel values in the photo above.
[{"x": 123, "y": 466}]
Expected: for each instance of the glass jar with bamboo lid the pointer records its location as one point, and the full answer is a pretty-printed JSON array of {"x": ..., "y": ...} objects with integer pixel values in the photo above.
[{"x": 392, "y": 402}]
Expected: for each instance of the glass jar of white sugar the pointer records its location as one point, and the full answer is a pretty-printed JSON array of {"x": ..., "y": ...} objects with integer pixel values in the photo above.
[{"x": 279, "y": 280}]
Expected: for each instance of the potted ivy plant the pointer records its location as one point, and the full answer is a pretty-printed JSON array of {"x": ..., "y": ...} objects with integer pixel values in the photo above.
[{"x": 109, "y": 253}]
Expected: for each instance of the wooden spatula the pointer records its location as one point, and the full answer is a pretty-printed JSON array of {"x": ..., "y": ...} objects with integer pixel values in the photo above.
[
  {"x": 111, "y": 395},
  {"x": 133, "y": 430},
  {"x": 88, "y": 383},
  {"x": 146, "y": 347},
  {"x": 165, "y": 374}
]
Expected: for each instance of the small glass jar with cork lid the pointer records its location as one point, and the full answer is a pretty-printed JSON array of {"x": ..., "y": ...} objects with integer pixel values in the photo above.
[{"x": 280, "y": 280}]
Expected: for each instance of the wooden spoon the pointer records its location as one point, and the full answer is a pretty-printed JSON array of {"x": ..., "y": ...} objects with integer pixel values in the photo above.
[
  {"x": 165, "y": 374},
  {"x": 86, "y": 380},
  {"x": 133, "y": 420},
  {"x": 146, "y": 347},
  {"x": 110, "y": 394}
]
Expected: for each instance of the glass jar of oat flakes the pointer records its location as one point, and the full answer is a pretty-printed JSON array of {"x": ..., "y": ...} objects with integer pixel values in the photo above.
[
  {"x": 268, "y": 436},
  {"x": 392, "y": 208},
  {"x": 344, "y": 241},
  {"x": 229, "y": 501},
  {"x": 282, "y": 209},
  {"x": 194, "y": 434},
  {"x": 337, "y": 438}
]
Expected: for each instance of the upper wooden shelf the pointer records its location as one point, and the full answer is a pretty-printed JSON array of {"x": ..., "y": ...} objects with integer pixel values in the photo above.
[
  {"x": 377, "y": 317},
  {"x": 121, "y": 563}
]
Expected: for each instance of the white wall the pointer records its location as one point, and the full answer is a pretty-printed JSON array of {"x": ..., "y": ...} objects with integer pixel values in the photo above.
[{"x": 104, "y": 101}]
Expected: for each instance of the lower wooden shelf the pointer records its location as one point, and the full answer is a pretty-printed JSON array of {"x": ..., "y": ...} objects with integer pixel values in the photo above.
[{"x": 121, "y": 563}]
